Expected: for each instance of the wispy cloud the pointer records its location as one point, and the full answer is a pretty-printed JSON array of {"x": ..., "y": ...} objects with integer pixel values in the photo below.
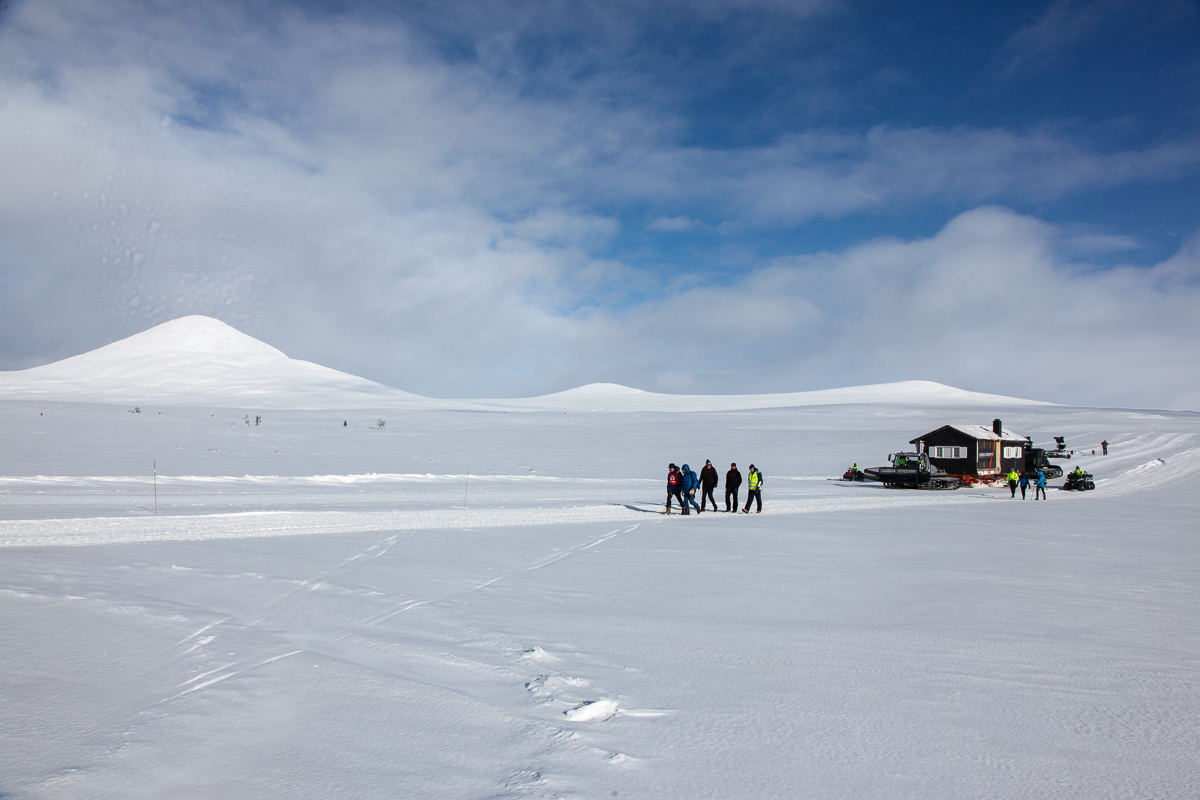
[{"x": 1049, "y": 37}]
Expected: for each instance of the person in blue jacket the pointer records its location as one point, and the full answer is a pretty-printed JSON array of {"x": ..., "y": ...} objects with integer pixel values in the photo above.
[
  {"x": 1040, "y": 487},
  {"x": 690, "y": 484}
]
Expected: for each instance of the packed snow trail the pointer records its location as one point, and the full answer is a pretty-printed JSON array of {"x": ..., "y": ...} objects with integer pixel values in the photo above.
[
  {"x": 262, "y": 524},
  {"x": 1156, "y": 461}
]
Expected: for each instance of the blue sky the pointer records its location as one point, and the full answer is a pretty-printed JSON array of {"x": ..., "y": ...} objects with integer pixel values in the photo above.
[{"x": 508, "y": 198}]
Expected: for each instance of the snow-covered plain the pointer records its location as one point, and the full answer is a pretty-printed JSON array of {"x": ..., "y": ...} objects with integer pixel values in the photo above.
[{"x": 481, "y": 600}]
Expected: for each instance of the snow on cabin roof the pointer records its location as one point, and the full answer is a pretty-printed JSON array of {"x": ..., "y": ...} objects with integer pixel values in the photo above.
[{"x": 979, "y": 432}]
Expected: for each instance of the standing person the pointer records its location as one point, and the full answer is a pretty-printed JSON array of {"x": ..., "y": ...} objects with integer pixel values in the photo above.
[
  {"x": 690, "y": 482},
  {"x": 1024, "y": 482},
  {"x": 1104, "y": 447},
  {"x": 1013, "y": 477},
  {"x": 1040, "y": 488},
  {"x": 755, "y": 479},
  {"x": 733, "y": 482},
  {"x": 675, "y": 489},
  {"x": 708, "y": 482}
]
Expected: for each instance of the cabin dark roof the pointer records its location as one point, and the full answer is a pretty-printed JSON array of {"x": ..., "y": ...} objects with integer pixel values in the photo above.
[{"x": 978, "y": 432}]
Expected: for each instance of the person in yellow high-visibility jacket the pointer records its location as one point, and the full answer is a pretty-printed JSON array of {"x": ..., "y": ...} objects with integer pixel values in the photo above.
[
  {"x": 1013, "y": 477},
  {"x": 755, "y": 481}
]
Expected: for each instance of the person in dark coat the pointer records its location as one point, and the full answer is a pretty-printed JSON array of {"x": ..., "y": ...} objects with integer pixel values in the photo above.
[
  {"x": 675, "y": 488},
  {"x": 733, "y": 482},
  {"x": 1104, "y": 447},
  {"x": 708, "y": 482}
]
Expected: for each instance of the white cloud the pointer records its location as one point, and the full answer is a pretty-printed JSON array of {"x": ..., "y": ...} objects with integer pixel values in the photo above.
[{"x": 354, "y": 200}]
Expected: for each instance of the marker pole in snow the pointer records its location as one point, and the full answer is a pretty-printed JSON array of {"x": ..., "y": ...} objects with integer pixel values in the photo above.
[
  {"x": 466, "y": 487},
  {"x": 155, "y": 488}
]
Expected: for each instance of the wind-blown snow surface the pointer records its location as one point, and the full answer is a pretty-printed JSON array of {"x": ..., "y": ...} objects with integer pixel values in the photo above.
[{"x": 488, "y": 604}]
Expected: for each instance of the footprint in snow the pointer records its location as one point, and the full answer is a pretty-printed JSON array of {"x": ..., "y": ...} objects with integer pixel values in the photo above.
[{"x": 592, "y": 711}]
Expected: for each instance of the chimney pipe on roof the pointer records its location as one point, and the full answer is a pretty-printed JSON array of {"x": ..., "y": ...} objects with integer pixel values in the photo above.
[{"x": 997, "y": 427}]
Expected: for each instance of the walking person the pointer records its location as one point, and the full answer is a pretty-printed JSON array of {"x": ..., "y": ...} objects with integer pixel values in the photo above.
[
  {"x": 755, "y": 480},
  {"x": 708, "y": 482},
  {"x": 1104, "y": 447},
  {"x": 1013, "y": 478},
  {"x": 675, "y": 489},
  {"x": 1040, "y": 487},
  {"x": 733, "y": 482},
  {"x": 1024, "y": 483},
  {"x": 690, "y": 482}
]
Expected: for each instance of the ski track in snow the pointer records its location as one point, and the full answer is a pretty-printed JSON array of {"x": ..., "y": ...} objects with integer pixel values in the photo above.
[
  {"x": 290, "y": 481},
  {"x": 1142, "y": 464},
  {"x": 545, "y": 562}
]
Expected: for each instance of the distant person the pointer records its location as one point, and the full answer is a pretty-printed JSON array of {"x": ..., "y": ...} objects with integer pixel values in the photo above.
[
  {"x": 708, "y": 482},
  {"x": 1104, "y": 448},
  {"x": 1024, "y": 483},
  {"x": 1039, "y": 492},
  {"x": 690, "y": 483},
  {"x": 733, "y": 482},
  {"x": 755, "y": 480},
  {"x": 675, "y": 489},
  {"x": 1013, "y": 478}
]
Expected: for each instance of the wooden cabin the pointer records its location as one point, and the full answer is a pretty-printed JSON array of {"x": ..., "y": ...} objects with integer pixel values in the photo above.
[{"x": 975, "y": 452}]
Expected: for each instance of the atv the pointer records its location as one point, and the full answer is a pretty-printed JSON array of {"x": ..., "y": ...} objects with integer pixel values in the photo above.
[{"x": 1079, "y": 481}]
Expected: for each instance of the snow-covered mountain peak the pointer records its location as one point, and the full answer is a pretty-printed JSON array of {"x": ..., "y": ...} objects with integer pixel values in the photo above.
[
  {"x": 201, "y": 361},
  {"x": 198, "y": 360},
  {"x": 189, "y": 337}
]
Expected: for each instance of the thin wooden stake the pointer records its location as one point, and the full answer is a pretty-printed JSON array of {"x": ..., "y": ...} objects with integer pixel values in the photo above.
[{"x": 156, "y": 488}]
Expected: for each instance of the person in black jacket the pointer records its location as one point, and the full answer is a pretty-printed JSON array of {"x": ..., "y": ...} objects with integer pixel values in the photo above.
[
  {"x": 708, "y": 482},
  {"x": 733, "y": 482}
]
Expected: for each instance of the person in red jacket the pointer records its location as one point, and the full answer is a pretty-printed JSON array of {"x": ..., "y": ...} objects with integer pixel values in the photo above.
[{"x": 675, "y": 489}]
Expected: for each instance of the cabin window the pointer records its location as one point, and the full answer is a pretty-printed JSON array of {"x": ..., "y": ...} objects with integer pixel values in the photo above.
[
  {"x": 948, "y": 452},
  {"x": 1012, "y": 452}
]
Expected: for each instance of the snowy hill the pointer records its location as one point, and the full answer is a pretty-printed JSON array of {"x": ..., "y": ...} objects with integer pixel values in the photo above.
[
  {"x": 199, "y": 361},
  {"x": 614, "y": 397}
]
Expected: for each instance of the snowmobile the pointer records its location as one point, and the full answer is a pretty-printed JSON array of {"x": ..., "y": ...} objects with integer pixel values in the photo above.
[
  {"x": 853, "y": 474},
  {"x": 1079, "y": 481},
  {"x": 912, "y": 471}
]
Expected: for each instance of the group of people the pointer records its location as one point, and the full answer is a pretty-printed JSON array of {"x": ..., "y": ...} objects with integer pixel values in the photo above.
[
  {"x": 682, "y": 485},
  {"x": 1023, "y": 481}
]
